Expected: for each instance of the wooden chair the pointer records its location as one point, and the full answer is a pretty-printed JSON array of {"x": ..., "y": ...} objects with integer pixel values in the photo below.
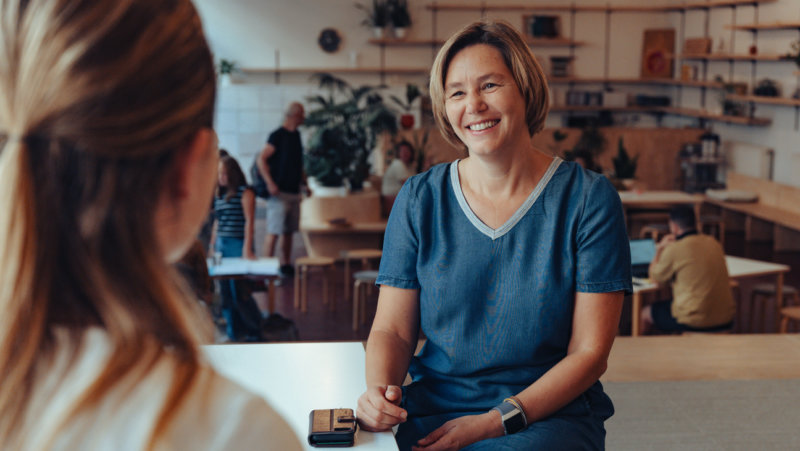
[
  {"x": 715, "y": 224},
  {"x": 363, "y": 255},
  {"x": 762, "y": 293},
  {"x": 363, "y": 280},
  {"x": 654, "y": 231},
  {"x": 789, "y": 313},
  {"x": 302, "y": 265}
]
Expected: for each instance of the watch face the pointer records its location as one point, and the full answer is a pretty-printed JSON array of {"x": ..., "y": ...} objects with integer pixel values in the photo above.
[{"x": 329, "y": 40}]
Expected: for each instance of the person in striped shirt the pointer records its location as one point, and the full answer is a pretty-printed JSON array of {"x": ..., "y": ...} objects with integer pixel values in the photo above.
[{"x": 234, "y": 208}]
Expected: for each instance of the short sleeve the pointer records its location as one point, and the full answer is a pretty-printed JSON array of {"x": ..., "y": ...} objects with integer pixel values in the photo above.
[
  {"x": 401, "y": 242},
  {"x": 273, "y": 138},
  {"x": 603, "y": 250}
]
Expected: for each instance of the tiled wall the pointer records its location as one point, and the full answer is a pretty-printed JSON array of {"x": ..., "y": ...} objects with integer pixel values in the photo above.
[{"x": 246, "y": 114}]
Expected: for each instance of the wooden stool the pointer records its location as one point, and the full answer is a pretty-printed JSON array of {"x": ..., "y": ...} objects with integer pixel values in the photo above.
[
  {"x": 365, "y": 255},
  {"x": 767, "y": 291},
  {"x": 716, "y": 224},
  {"x": 301, "y": 266},
  {"x": 788, "y": 313},
  {"x": 363, "y": 280},
  {"x": 654, "y": 231}
]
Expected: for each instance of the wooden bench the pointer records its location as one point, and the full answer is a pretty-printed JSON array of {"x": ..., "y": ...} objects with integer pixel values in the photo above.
[
  {"x": 775, "y": 217},
  {"x": 361, "y": 227}
]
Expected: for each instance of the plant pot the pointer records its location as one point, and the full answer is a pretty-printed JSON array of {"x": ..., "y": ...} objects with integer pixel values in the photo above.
[
  {"x": 400, "y": 32},
  {"x": 319, "y": 190},
  {"x": 628, "y": 183},
  {"x": 407, "y": 121},
  {"x": 225, "y": 79},
  {"x": 377, "y": 32}
]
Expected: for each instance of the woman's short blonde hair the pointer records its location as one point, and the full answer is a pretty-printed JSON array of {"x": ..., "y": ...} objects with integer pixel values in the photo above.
[{"x": 519, "y": 59}]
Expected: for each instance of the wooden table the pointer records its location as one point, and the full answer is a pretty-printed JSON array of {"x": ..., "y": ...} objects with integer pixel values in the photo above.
[
  {"x": 661, "y": 200},
  {"x": 704, "y": 357},
  {"x": 737, "y": 268},
  {"x": 296, "y": 378},
  {"x": 327, "y": 240},
  {"x": 263, "y": 269}
]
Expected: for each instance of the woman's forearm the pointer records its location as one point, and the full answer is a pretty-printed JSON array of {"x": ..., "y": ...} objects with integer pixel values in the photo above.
[
  {"x": 594, "y": 328},
  {"x": 388, "y": 357},
  {"x": 561, "y": 384}
]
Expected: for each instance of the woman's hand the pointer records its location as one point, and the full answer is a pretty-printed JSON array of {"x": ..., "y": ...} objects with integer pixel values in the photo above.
[
  {"x": 462, "y": 432},
  {"x": 378, "y": 408}
]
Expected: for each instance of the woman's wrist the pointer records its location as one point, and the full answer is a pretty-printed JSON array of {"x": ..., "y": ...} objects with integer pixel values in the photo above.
[{"x": 494, "y": 424}]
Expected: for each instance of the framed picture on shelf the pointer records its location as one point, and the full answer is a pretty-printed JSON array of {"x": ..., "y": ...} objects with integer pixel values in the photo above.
[
  {"x": 541, "y": 27},
  {"x": 657, "y": 53}
]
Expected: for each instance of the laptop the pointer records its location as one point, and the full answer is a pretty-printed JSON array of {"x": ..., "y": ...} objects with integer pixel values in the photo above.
[{"x": 642, "y": 253}]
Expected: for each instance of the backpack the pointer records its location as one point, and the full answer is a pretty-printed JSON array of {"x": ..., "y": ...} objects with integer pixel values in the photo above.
[{"x": 259, "y": 185}]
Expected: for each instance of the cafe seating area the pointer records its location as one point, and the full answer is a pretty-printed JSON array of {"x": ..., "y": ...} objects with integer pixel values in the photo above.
[{"x": 666, "y": 99}]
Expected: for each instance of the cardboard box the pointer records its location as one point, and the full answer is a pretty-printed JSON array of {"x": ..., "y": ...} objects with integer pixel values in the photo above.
[{"x": 615, "y": 99}]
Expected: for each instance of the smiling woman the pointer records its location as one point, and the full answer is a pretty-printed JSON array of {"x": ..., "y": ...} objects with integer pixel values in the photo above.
[{"x": 511, "y": 262}]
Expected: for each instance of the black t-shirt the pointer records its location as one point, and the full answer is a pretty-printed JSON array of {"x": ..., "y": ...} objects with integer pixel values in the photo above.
[{"x": 286, "y": 164}]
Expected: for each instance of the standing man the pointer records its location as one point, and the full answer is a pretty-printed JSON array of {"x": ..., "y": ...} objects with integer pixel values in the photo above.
[
  {"x": 695, "y": 264},
  {"x": 281, "y": 166}
]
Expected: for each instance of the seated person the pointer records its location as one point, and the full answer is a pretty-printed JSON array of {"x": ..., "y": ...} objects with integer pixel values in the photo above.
[
  {"x": 399, "y": 170},
  {"x": 696, "y": 266}
]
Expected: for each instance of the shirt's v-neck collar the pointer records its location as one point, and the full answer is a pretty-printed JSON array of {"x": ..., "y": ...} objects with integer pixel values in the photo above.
[{"x": 515, "y": 218}]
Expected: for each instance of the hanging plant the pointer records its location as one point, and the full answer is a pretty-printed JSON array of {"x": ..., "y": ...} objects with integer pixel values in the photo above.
[{"x": 624, "y": 165}]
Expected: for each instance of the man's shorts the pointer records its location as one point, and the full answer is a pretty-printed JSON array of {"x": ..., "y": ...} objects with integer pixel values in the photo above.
[
  {"x": 665, "y": 322},
  {"x": 283, "y": 213}
]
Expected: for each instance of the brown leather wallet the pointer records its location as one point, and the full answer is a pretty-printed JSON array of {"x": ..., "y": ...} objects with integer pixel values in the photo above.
[{"x": 331, "y": 428}]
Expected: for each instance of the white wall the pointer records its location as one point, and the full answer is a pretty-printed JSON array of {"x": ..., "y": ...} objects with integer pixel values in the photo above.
[{"x": 250, "y": 31}]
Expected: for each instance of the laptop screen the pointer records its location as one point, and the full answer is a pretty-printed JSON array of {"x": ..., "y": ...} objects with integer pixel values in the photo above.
[{"x": 642, "y": 251}]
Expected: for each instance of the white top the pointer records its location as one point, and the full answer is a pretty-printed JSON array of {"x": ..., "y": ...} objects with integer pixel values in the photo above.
[
  {"x": 396, "y": 174},
  {"x": 297, "y": 378},
  {"x": 217, "y": 414}
]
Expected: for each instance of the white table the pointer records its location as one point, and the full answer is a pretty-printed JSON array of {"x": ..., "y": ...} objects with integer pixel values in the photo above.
[
  {"x": 296, "y": 378},
  {"x": 263, "y": 269},
  {"x": 738, "y": 267}
]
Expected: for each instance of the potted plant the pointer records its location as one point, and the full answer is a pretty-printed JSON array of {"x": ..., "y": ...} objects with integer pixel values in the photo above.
[
  {"x": 226, "y": 70},
  {"x": 401, "y": 20},
  {"x": 624, "y": 166},
  {"x": 345, "y": 127},
  {"x": 412, "y": 93},
  {"x": 376, "y": 17}
]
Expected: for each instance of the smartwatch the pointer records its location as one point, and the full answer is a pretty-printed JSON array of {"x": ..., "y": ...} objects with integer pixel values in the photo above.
[{"x": 512, "y": 416}]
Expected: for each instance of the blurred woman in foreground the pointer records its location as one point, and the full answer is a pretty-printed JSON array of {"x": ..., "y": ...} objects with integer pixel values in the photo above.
[{"x": 108, "y": 162}]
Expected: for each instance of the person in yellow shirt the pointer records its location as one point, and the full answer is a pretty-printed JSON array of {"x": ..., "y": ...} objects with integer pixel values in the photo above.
[{"x": 695, "y": 264}]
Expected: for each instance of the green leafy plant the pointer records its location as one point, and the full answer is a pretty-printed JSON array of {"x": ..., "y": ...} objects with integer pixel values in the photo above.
[
  {"x": 591, "y": 142},
  {"x": 377, "y": 16},
  {"x": 412, "y": 94},
  {"x": 345, "y": 127},
  {"x": 794, "y": 55},
  {"x": 624, "y": 165},
  {"x": 398, "y": 13},
  {"x": 227, "y": 67}
]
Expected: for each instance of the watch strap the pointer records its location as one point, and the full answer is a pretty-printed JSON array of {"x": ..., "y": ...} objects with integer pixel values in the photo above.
[{"x": 512, "y": 417}]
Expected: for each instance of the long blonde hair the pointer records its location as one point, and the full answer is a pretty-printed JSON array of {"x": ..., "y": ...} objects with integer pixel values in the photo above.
[{"x": 97, "y": 100}]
